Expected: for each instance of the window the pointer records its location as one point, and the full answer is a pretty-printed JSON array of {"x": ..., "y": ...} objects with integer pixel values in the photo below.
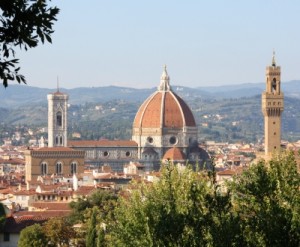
[
  {"x": 73, "y": 168},
  {"x": 274, "y": 85},
  {"x": 44, "y": 168},
  {"x": 173, "y": 140},
  {"x": 58, "y": 168},
  {"x": 127, "y": 154},
  {"x": 59, "y": 119},
  {"x": 105, "y": 154},
  {"x": 6, "y": 237},
  {"x": 150, "y": 139}
]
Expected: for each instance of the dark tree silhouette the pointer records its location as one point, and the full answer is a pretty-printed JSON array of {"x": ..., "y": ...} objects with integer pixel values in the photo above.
[{"x": 23, "y": 24}]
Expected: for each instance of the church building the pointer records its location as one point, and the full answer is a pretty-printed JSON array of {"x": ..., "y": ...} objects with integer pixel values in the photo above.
[
  {"x": 57, "y": 159},
  {"x": 163, "y": 122}
]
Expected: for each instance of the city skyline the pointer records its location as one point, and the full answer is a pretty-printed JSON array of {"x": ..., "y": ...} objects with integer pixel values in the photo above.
[{"x": 102, "y": 43}]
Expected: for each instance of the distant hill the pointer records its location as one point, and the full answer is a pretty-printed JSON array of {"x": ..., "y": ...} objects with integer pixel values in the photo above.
[
  {"x": 291, "y": 89},
  {"x": 20, "y": 95},
  {"x": 229, "y": 113}
]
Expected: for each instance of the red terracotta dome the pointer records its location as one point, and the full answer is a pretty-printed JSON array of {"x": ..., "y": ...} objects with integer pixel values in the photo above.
[
  {"x": 163, "y": 109},
  {"x": 174, "y": 154}
]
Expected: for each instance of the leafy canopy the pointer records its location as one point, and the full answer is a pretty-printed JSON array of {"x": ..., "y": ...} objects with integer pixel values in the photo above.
[
  {"x": 23, "y": 24},
  {"x": 183, "y": 208},
  {"x": 186, "y": 208},
  {"x": 33, "y": 236}
]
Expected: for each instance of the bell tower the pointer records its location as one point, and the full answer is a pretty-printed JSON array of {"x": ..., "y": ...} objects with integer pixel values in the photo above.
[
  {"x": 57, "y": 119},
  {"x": 272, "y": 108}
]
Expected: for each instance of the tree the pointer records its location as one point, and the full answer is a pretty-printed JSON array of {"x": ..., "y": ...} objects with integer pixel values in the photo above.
[
  {"x": 101, "y": 205},
  {"x": 267, "y": 198},
  {"x": 183, "y": 208},
  {"x": 101, "y": 242},
  {"x": 2, "y": 216},
  {"x": 91, "y": 236},
  {"x": 23, "y": 24},
  {"x": 186, "y": 208},
  {"x": 59, "y": 231},
  {"x": 32, "y": 236},
  {"x": 103, "y": 200}
]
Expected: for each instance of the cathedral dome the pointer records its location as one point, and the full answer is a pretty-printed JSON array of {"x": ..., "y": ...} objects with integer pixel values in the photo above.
[
  {"x": 164, "y": 109},
  {"x": 174, "y": 154}
]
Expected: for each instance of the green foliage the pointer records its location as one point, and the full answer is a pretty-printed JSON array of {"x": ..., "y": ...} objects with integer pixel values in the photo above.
[
  {"x": 103, "y": 200},
  {"x": 59, "y": 232},
  {"x": 186, "y": 208},
  {"x": 182, "y": 209},
  {"x": 23, "y": 23},
  {"x": 91, "y": 236},
  {"x": 94, "y": 212},
  {"x": 101, "y": 242},
  {"x": 32, "y": 236},
  {"x": 268, "y": 199}
]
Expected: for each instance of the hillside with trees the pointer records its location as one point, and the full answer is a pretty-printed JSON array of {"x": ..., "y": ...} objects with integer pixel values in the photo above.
[
  {"x": 227, "y": 120},
  {"x": 222, "y": 113}
]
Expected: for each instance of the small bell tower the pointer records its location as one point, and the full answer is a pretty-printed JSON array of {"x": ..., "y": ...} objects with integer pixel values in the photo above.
[
  {"x": 57, "y": 119},
  {"x": 272, "y": 108}
]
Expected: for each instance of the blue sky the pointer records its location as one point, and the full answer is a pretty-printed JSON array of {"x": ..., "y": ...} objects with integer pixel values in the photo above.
[{"x": 204, "y": 43}]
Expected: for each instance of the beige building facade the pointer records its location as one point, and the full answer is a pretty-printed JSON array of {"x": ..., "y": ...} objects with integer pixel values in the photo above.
[{"x": 56, "y": 160}]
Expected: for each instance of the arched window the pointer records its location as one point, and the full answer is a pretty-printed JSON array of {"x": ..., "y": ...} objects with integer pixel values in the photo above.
[
  {"x": 44, "y": 168},
  {"x": 59, "y": 119},
  {"x": 274, "y": 85},
  {"x": 73, "y": 167},
  {"x": 58, "y": 168},
  {"x": 61, "y": 140}
]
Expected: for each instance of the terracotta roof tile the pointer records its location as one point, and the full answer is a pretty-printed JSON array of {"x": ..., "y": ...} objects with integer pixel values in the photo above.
[
  {"x": 25, "y": 192},
  {"x": 52, "y": 206},
  {"x": 16, "y": 225},
  {"x": 55, "y": 149},
  {"x": 174, "y": 154},
  {"x": 43, "y": 214},
  {"x": 164, "y": 109},
  {"x": 85, "y": 190},
  {"x": 12, "y": 161}
]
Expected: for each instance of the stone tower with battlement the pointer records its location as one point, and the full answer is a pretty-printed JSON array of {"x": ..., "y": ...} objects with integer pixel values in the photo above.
[
  {"x": 57, "y": 119},
  {"x": 272, "y": 108}
]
